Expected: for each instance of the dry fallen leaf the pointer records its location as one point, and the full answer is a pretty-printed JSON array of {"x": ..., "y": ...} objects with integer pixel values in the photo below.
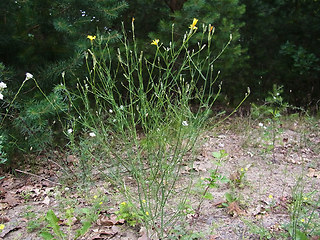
[
  {"x": 109, "y": 221},
  {"x": 213, "y": 237},
  {"x": 4, "y": 219},
  {"x": 258, "y": 210},
  {"x": 46, "y": 200},
  {"x": 10, "y": 199},
  {"x": 219, "y": 203},
  {"x": 235, "y": 176},
  {"x": 105, "y": 234},
  {"x": 313, "y": 173},
  {"x": 234, "y": 209},
  {"x": 3, "y": 206}
]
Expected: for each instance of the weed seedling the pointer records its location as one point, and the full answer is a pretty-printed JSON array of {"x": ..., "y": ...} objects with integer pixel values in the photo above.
[
  {"x": 238, "y": 179},
  {"x": 129, "y": 214},
  {"x": 304, "y": 222},
  {"x": 53, "y": 231},
  {"x": 273, "y": 109},
  {"x": 213, "y": 180},
  {"x": 230, "y": 198}
]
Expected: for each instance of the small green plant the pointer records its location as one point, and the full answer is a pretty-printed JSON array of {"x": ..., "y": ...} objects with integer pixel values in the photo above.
[
  {"x": 52, "y": 231},
  {"x": 85, "y": 215},
  {"x": 304, "y": 216},
  {"x": 187, "y": 208},
  {"x": 230, "y": 198},
  {"x": 130, "y": 214},
  {"x": 258, "y": 229},
  {"x": 26, "y": 195},
  {"x": 272, "y": 110},
  {"x": 238, "y": 178},
  {"x": 34, "y": 223},
  {"x": 214, "y": 179},
  {"x": 181, "y": 232}
]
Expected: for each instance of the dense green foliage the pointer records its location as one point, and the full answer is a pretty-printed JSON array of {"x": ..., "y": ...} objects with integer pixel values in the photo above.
[
  {"x": 282, "y": 42},
  {"x": 45, "y": 38},
  {"x": 48, "y": 37}
]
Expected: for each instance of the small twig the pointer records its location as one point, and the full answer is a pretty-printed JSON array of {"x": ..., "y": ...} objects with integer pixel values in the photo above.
[
  {"x": 65, "y": 162},
  {"x": 62, "y": 168},
  {"x": 31, "y": 174}
]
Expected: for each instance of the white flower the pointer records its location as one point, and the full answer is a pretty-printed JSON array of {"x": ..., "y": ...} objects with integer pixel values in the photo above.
[
  {"x": 121, "y": 107},
  {"x": 185, "y": 123},
  {"x": 260, "y": 124},
  {"x": 2, "y": 85},
  {"x": 70, "y": 130},
  {"x": 28, "y": 76},
  {"x": 110, "y": 111},
  {"x": 1, "y": 96},
  {"x": 92, "y": 134}
]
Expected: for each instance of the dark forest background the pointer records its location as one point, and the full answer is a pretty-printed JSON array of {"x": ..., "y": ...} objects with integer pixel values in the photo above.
[{"x": 273, "y": 42}]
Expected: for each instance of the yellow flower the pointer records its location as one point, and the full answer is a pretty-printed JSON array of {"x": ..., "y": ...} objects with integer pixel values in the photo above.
[
  {"x": 95, "y": 196},
  {"x": 133, "y": 19},
  {"x": 144, "y": 201},
  {"x": 100, "y": 203},
  {"x": 305, "y": 198},
  {"x": 91, "y": 37},
  {"x": 123, "y": 203},
  {"x": 270, "y": 196},
  {"x": 1, "y": 226},
  {"x": 194, "y": 23},
  {"x": 155, "y": 42},
  {"x": 241, "y": 169},
  {"x": 211, "y": 28},
  {"x": 147, "y": 213},
  {"x": 246, "y": 169},
  {"x": 302, "y": 220}
]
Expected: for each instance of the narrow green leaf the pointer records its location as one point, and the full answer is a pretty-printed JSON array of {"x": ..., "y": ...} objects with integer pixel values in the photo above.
[
  {"x": 85, "y": 227},
  {"x": 53, "y": 221},
  {"x": 208, "y": 196},
  {"x": 216, "y": 155},
  {"x": 46, "y": 236},
  {"x": 301, "y": 235},
  {"x": 229, "y": 197}
]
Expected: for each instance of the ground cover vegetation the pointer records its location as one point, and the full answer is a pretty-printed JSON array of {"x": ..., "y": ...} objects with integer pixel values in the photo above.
[{"x": 123, "y": 116}]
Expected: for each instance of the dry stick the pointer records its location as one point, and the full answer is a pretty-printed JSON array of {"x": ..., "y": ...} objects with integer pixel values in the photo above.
[
  {"x": 61, "y": 166},
  {"x": 31, "y": 174}
]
